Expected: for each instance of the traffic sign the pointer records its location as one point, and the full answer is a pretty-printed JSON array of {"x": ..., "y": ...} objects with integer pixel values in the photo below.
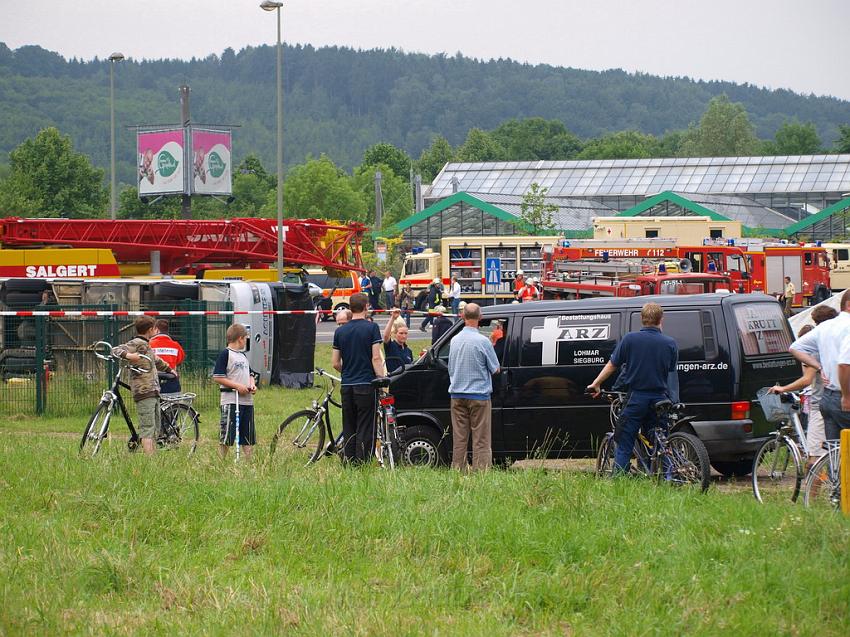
[{"x": 494, "y": 271}]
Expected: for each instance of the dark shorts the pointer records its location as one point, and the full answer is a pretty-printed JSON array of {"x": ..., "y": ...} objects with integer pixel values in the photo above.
[{"x": 227, "y": 425}]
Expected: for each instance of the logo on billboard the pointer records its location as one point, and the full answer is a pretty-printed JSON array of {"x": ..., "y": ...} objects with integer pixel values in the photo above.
[
  {"x": 216, "y": 164},
  {"x": 557, "y": 329},
  {"x": 166, "y": 164}
]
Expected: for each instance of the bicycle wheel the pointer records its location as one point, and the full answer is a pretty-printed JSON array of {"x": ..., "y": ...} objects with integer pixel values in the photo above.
[
  {"x": 180, "y": 424},
  {"x": 822, "y": 488},
  {"x": 605, "y": 457},
  {"x": 688, "y": 462},
  {"x": 617, "y": 406},
  {"x": 300, "y": 438},
  {"x": 777, "y": 471},
  {"x": 96, "y": 429}
]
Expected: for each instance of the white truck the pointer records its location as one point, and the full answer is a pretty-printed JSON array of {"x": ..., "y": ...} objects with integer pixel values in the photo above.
[{"x": 466, "y": 258}]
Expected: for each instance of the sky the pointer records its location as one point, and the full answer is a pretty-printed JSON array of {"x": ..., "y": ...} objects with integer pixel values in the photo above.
[{"x": 795, "y": 44}]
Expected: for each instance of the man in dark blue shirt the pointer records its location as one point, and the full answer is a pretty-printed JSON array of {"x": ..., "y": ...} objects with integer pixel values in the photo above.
[
  {"x": 648, "y": 357},
  {"x": 357, "y": 354}
]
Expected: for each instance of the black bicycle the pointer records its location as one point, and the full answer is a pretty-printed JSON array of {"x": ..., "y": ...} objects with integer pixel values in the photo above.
[
  {"x": 301, "y": 437},
  {"x": 678, "y": 457},
  {"x": 178, "y": 419}
]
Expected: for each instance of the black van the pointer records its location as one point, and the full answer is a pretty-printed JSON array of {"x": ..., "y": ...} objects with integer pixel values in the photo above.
[{"x": 729, "y": 346}]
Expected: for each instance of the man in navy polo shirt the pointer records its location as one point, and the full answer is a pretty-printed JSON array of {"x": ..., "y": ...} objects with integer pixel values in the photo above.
[
  {"x": 357, "y": 354},
  {"x": 649, "y": 357}
]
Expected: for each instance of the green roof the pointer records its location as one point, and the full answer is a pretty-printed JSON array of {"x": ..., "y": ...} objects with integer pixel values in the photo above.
[
  {"x": 672, "y": 197},
  {"x": 448, "y": 202},
  {"x": 816, "y": 218}
]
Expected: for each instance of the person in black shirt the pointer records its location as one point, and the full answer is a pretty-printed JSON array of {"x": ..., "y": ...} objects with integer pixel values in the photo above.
[
  {"x": 396, "y": 349},
  {"x": 648, "y": 358},
  {"x": 434, "y": 299},
  {"x": 357, "y": 355},
  {"x": 441, "y": 324}
]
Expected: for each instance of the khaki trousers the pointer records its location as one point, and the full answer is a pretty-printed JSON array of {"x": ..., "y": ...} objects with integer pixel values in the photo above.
[{"x": 471, "y": 416}]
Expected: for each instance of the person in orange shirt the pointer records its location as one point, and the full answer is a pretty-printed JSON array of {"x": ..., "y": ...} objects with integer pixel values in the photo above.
[{"x": 171, "y": 352}]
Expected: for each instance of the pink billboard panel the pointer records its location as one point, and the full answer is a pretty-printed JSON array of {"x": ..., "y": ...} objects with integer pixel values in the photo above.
[
  {"x": 211, "y": 168},
  {"x": 160, "y": 162}
]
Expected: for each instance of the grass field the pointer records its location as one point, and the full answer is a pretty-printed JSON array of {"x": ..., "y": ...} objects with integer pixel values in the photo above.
[{"x": 124, "y": 544}]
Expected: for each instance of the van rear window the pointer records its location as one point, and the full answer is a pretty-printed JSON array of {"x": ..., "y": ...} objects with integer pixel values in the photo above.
[{"x": 762, "y": 328}]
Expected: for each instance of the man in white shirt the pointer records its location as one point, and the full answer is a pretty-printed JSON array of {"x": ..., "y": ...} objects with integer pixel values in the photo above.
[
  {"x": 828, "y": 342},
  {"x": 453, "y": 295},
  {"x": 389, "y": 286}
]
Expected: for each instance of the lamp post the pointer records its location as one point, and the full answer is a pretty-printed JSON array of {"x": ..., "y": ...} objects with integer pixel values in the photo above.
[
  {"x": 115, "y": 57},
  {"x": 270, "y": 5}
]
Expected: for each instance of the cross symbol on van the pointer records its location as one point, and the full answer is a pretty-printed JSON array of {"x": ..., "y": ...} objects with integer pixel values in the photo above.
[{"x": 553, "y": 332}]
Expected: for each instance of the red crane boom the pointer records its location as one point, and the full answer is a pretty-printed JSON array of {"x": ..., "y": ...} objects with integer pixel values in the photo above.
[{"x": 183, "y": 243}]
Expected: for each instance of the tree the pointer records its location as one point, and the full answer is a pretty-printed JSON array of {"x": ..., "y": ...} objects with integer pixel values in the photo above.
[
  {"x": 395, "y": 189},
  {"x": 623, "y": 145},
  {"x": 433, "y": 158},
  {"x": 725, "y": 130},
  {"x": 250, "y": 193},
  {"x": 536, "y": 138},
  {"x": 794, "y": 138},
  {"x": 480, "y": 146},
  {"x": 251, "y": 165},
  {"x": 49, "y": 179},
  {"x": 319, "y": 189},
  {"x": 388, "y": 155},
  {"x": 535, "y": 212},
  {"x": 842, "y": 145}
]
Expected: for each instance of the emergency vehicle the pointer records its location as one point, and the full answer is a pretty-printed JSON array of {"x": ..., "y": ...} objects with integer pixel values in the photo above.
[
  {"x": 771, "y": 261},
  {"x": 466, "y": 258},
  {"x": 582, "y": 272}
]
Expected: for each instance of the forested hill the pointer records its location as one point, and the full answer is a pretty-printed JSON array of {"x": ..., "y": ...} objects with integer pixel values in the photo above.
[{"x": 338, "y": 101}]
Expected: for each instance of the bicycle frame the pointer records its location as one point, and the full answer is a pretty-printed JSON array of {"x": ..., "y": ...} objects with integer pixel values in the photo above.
[{"x": 112, "y": 396}]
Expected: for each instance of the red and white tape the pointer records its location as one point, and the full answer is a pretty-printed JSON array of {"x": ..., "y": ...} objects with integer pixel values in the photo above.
[{"x": 102, "y": 313}]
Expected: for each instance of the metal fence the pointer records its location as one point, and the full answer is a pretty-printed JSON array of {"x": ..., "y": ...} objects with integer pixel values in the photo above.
[{"x": 47, "y": 365}]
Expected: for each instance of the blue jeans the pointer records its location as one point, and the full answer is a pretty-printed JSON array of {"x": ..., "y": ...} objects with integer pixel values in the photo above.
[
  {"x": 390, "y": 299},
  {"x": 638, "y": 412},
  {"x": 834, "y": 419},
  {"x": 455, "y": 305}
]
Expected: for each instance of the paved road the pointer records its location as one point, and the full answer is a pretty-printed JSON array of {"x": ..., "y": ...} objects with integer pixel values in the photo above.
[{"x": 325, "y": 330}]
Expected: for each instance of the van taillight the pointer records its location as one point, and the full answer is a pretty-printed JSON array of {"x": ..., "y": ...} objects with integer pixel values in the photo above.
[{"x": 741, "y": 410}]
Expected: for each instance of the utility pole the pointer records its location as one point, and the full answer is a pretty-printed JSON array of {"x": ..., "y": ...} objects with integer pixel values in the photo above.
[
  {"x": 417, "y": 193},
  {"x": 185, "y": 119},
  {"x": 379, "y": 202}
]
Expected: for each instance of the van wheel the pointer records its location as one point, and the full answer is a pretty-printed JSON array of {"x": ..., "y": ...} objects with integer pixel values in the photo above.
[
  {"x": 422, "y": 447},
  {"x": 733, "y": 468}
]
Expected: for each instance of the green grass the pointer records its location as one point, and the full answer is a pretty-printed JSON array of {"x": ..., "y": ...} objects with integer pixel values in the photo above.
[{"x": 124, "y": 544}]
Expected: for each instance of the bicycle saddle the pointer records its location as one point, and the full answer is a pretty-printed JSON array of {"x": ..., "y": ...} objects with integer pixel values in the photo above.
[
  {"x": 382, "y": 381},
  {"x": 163, "y": 376},
  {"x": 663, "y": 405}
]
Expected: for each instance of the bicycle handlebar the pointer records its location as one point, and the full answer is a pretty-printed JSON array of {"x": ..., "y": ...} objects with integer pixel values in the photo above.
[
  {"x": 99, "y": 348},
  {"x": 322, "y": 372}
]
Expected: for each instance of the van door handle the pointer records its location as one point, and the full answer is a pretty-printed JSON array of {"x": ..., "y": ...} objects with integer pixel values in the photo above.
[{"x": 506, "y": 379}]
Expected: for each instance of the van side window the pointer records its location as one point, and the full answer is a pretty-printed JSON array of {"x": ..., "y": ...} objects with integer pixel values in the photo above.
[
  {"x": 495, "y": 329},
  {"x": 569, "y": 339},
  {"x": 841, "y": 254},
  {"x": 762, "y": 329},
  {"x": 693, "y": 331}
]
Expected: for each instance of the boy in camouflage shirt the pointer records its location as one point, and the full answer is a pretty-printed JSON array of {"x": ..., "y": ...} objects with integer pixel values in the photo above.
[{"x": 145, "y": 386}]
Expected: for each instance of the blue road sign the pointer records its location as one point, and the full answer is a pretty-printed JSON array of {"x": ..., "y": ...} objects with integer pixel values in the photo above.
[{"x": 494, "y": 271}]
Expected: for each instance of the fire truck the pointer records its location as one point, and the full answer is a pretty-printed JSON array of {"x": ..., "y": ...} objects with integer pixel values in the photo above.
[
  {"x": 755, "y": 266},
  {"x": 584, "y": 272},
  {"x": 771, "y": 261},
  {"x": 89, "y": 248}
]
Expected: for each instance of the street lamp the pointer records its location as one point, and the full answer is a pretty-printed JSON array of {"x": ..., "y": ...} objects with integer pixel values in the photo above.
[
  {"x": 269, "y": 5},
  {"x": 115, "y": 57}
]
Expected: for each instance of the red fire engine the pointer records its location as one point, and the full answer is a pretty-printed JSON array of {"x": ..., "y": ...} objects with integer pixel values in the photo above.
[
  {"x": 580, "y": 272},
  {"x": 756, "y": 266},
  {"x": 191, "y": 246}
]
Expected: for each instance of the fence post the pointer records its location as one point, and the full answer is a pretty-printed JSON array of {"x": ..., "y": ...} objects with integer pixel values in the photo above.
[
  {"x": 40, "y": 371},
  {"x": 844, "y": 470}
]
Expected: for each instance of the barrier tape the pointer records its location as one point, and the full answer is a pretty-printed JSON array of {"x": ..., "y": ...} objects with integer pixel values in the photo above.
[{"x": 102, "y": 313}]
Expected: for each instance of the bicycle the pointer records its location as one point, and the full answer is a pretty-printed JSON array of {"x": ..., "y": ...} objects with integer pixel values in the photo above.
[
  {"x": 779, "y": 464},
  {"x": 387, "y": 431},
  {"x": 822, "y": 487},
  {"x": 679, "y": 457},
  {"x": 302, "y": 435},
  {"x": 178, "y": 419}
]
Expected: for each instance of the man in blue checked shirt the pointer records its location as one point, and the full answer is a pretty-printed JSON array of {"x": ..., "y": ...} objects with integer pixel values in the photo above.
[{"x": 472, "y": 362}]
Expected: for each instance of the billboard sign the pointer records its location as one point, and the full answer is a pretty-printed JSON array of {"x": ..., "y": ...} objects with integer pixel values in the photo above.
[
  {"x": 211, "y": 167},
  {"x": 160, "y": 162}
]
